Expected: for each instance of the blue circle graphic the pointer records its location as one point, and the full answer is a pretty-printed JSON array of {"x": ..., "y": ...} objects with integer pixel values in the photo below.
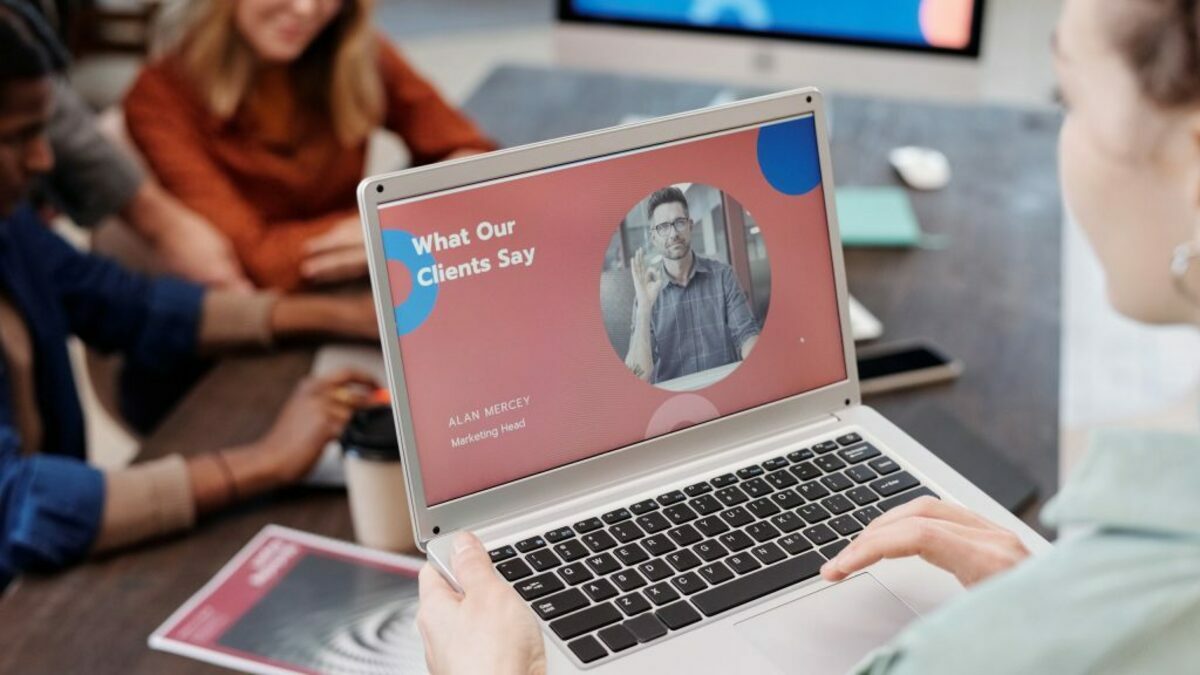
[
  {"x": 788, "y": 157},
  {"x": 399, "y": 246}
]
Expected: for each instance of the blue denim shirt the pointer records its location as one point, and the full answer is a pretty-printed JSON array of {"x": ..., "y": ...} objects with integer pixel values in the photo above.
[
  {"x": 1119, "y": 593},
  {"x": 51, "y": 504}
]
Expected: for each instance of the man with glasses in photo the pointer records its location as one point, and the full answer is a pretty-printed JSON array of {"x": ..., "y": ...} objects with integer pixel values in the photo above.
[{"x": 690, "y": 314}]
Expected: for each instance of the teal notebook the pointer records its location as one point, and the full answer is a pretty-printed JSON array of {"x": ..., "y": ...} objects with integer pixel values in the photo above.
[{"x": 877, "y": 216}]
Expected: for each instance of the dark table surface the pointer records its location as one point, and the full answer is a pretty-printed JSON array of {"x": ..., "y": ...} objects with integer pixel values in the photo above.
[{"x": 991, "y": 297}]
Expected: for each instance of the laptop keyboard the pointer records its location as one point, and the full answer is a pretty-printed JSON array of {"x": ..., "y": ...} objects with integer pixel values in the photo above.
[{"x": 637, "y": 574}]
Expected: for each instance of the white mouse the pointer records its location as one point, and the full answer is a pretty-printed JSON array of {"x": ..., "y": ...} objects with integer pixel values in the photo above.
[{"x": 921, "y": 168}]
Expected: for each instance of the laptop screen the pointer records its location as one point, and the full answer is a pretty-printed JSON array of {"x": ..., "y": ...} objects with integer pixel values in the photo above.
[{"x": 554, "y": 316}]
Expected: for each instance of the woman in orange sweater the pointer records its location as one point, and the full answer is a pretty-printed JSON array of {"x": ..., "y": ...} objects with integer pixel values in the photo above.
[{"x": 257, "y": 117}]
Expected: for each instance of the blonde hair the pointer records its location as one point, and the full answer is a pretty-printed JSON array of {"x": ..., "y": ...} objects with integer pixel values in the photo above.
[{"x": 338, "y": 74}]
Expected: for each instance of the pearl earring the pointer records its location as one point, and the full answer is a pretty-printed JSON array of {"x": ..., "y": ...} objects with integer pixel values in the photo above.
[{"x": 1181, "y": 263}]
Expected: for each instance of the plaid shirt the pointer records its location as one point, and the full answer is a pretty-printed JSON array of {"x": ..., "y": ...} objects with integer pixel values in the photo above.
[{"x": 699, "y": 325}]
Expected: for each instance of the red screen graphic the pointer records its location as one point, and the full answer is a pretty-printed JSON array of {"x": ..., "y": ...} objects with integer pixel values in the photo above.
[{"x": 511, "y": 373}]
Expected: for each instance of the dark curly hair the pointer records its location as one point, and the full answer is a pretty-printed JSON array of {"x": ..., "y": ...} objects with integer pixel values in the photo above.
[{"x": 1160, "y": 40}]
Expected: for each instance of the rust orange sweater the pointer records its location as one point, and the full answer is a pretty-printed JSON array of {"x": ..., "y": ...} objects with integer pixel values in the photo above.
[{"x": 266, "y": 178}]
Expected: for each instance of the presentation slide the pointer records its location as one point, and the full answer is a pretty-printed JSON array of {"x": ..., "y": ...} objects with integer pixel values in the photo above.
[
  {"x": 552, "y": 317},
  {"x": 944, "y": 24}
]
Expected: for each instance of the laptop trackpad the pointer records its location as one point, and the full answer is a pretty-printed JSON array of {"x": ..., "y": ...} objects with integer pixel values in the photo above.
[{"x": 830, "y": 630}]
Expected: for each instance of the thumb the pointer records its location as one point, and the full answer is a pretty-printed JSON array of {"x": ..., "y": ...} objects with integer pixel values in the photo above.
[{"x": 471, "y": 563}]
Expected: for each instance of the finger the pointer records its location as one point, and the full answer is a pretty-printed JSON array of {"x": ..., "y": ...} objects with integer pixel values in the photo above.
[
  {"x": 338, "y": 237},
  {"x": 947, "y": 545},
  {"x": 437, "y": 597},
  {"x": 336, "y": 265},
  {"x": 931, "y": 507},
  {"x": 346, "y": 377},
  {"x": 472, "y": 566}
]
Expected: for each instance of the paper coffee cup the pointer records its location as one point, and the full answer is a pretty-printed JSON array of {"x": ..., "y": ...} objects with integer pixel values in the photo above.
[{"x": 375, "y": 482}]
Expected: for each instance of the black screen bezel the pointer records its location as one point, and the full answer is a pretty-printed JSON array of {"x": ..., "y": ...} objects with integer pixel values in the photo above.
[{"x": 568, "y": 14}]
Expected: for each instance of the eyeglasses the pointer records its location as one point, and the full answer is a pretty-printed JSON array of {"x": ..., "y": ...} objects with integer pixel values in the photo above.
[{"x": 680, "y": 224}]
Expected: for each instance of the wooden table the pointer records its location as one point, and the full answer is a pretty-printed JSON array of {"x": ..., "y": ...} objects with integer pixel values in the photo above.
[{"x": 991, "y": 298}]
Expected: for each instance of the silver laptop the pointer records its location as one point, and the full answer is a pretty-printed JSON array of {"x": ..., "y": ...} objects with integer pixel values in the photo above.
[{"x": 623, "y": 359}]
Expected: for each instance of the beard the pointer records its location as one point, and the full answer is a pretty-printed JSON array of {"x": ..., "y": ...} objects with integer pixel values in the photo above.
[{"x": 676, "y": 250}]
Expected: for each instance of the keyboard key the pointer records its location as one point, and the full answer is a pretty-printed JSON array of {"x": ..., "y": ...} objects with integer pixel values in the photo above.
[
  {"x": 572, "y": 549},
  {"x": 678, "y": 615},
  {"x": 661, "y": 594},
  {"x": 531, "y": 544},
  {"x": 812, "y": 513},
  {"x": 711, "y": 526},
  {"x": 724, "y": 481},
  {"x": 706, "y": 504},
  {"x": 683, "y": 560},
  {"x": 514, "y": 569},
  {"x": 655, "y": 570},
  {"x": 805, "y": 471},
  {"x": 599, "y": 541},
  {"x": 588, "y": 525},
  {"x": 781, "y": 479},
  {"x": 768, "y": 553},
  {"x": 715, "y": 573},
  {"x": 742, "y": 563},
  {"x": 753, "y": 586},
  {"x": 575, "y": 574},
  {"x": 613, "y": 517},
  {"x": 835, "y": 548},
  {"x": 775, "y": 464},
  {"x": 813, "y": 491},
  {"x": 736, "y": 540},
  {"x": 644, "y": 506},
  {"x": 633, "y": 604},
  {"x": 820, "y": 534},
  {"x": 737, "y": 517},
  {"x": 824, "y": 447},
  {"x": 859, "y": 454},
  {"x": 862, "y": 496},
  {"x": 502, "y": 553},
  {"x": 731, "y": 495},
  {"x": 603, "y": 564},
  {"x": 554, "y": 606},
  {"x": 688, "y": 583},
  {"x": 542, "y": 560},
  {"x": 627, "y": 580},
  {"x": 756, "y": 487},
  {"x": 883, "y": 466},
  {"x": 787, "y": 499},
  {"x": 684, "y": 535},
  {"x": 794, "y": 544},
  {"x": 845, "y": 525},
  {"x": 762, "y": 508},
  {"x": 697, "y": 489},
  {"x": 848, "y": 439},
  {"x": 617, "y": 638},
  {"x": 749, "y": 472},
  {"x": 787, "y": 522},
  {"x": 829, "y": 463},
  {"x": 646, "y": 628},
  {"x": 680, "y": 513},
  {"x": 653, "y": 522},
  {"x": 762, "y": 531},
  {"x": 865, "y": 516},
  {"x": 710, "y": 550},
  {"x": 800, "y": 455},
  {"x": 895, "y": 484},
  {"x": 585, "y": 621},
  {"x": 587, "y": 649},
  {"x": 561, "y": 534},
  {"x": 836, "y": 482},
  {"x": 673, "y": 497},
  {"x": 889, "y": 504},
  {"x": 599, "y": 589},
  {"x": 626, "y": 532},
  {"x": 837, "y": 504},
  {"x": 658, "y": 545},
  {"x": 630, "y": 554},
  {"x": 861, "y": 474},
  {"x": 536, "y": 587}
]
